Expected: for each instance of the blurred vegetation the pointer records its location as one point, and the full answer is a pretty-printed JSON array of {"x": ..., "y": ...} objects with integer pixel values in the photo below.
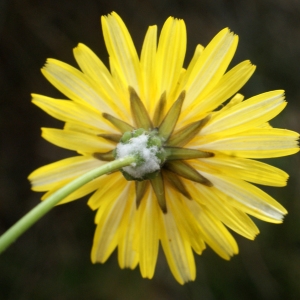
[{"x": 52, "y": 260}]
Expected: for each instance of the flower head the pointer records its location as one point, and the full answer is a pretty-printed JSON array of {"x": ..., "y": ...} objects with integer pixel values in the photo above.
[{"x": 196, "y": 151}]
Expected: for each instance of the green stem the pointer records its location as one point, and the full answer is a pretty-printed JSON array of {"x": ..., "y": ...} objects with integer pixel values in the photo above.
[{"x": 42, "y": 208}]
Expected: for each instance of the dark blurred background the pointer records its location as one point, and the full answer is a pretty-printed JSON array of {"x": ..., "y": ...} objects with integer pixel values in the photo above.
[{"x": 52, "y": 260}]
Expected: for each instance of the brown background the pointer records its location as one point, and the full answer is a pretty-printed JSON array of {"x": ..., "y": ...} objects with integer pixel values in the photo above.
[{"x": 52, "y": 260}]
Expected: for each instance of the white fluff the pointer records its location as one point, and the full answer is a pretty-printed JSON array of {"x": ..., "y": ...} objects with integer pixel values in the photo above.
[{"x": 138, "y": 146}]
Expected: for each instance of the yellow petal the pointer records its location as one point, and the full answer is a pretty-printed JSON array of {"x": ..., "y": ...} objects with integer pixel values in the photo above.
[
  {"x": 248, "y": 198},
  {"x": 211, "y": 66},
  {"x": 69, "y": 111},
  {"x": 121, "y": 85},
  {"x": 46, "y": 177},
  {"x": 128, "y": 256},
  {"x": 79, "y": 193},
  {"x": 81, "y": 127},
  {"x": 148, "y": 231},
  {"x": 247, "y": 114},
  {"x": 245, "y": 169},
  {"x": 255, "y": 143},
  {"x": 106, "y": 235},
  {"x": 189, "y": 228},
  {"x": 177, "y": 250},
  {"x": 76, "y": 141},
  {"x": 112, "y": 186},
  {"x": 170, "y": 56},
  {"x": 74, "y": 85},
  {"x": 213, "y": 231},
  {"x": 148, "y": 64},
  {"x": 100, "y": 78},
  {"x": 230, "y": 216},
  {"x": 228, "y": 85},
  {"x": 185, "y": 74},
  {"x": 121, "y": 49}
]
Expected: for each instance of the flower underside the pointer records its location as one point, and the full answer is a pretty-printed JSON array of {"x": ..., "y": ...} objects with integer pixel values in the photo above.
[
  {"x": 169, "y": 148},
  {"x": 194, "y": 138}
]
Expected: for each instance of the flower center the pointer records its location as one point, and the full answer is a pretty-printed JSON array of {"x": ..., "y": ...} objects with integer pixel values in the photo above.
[{"x": 147, "y": 147}]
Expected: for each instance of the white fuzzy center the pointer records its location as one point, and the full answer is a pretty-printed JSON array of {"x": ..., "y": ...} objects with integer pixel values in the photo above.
[{"x": 137, "y": 146}]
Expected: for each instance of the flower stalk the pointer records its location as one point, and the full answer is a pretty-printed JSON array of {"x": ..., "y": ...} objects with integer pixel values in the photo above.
[{"x": 12, "y": 234}]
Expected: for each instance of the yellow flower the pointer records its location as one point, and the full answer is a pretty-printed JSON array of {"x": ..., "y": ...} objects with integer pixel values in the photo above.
[{"x": 205, "y": 148}]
